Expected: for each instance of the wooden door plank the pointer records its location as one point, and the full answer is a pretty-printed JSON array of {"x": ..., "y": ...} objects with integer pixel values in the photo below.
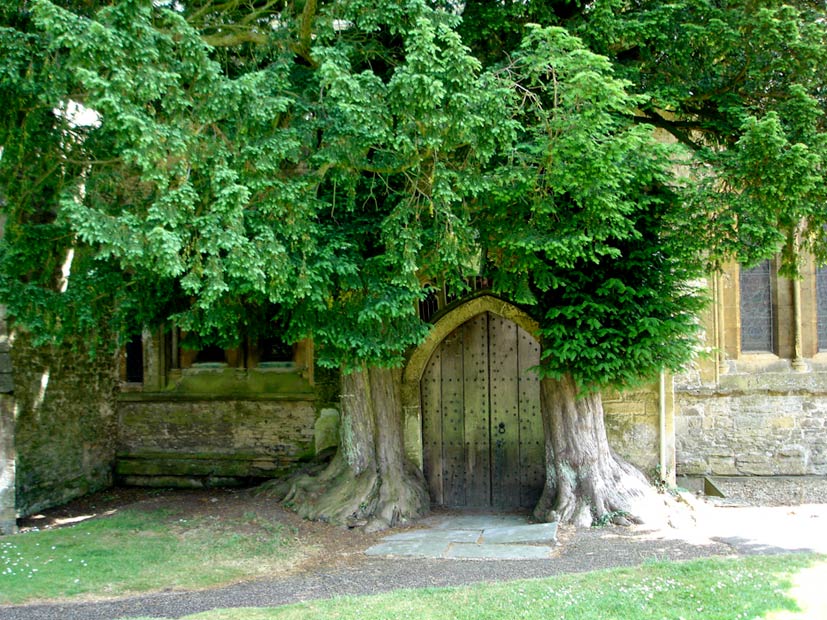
[
  {"x": 430, "y": 391},
  {"x": 532, "y": 440},
  {"x": 475, "y": 381},
  {"x": 505, "y": 429},
  {"x": 453, "y": 424}
]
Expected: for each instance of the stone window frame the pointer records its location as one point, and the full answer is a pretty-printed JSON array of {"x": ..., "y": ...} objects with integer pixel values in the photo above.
[
  {"x": 730, "y": 323},
  {"x": 188, "y": 359},
  {"x": 164, "y": 361},
  {"x": 247, "y": 356},
  {"x": 795, "y": 322}
]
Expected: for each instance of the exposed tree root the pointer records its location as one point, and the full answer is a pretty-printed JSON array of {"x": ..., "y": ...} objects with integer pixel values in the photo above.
[
  {"x": 586, "y": 482},
  {"x": 369, "y": 483}
]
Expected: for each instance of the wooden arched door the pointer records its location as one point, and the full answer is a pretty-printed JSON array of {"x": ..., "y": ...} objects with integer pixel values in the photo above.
[{"x": 482, "y": 431}]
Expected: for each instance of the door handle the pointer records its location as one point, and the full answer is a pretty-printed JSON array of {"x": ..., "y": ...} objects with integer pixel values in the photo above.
[{"x": 501, "y": 428}]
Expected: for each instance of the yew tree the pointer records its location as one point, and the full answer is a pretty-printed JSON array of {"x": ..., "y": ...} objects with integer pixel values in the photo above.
[
  {"x": 238, "y": 168},
  {"x": 586, "y": 229},
  {"x": 229, "y": 168},
  {"x": 611, "y": 241}
]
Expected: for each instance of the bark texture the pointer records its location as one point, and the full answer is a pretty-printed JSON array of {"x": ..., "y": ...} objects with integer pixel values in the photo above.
[
  {"x": 369, "y": 483},
  {"x": 586, "y": 482}
]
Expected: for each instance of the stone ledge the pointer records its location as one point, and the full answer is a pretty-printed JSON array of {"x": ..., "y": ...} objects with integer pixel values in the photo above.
[
  {"x": 235, "y": 465},
  {"x": 139, "y": 397},
  {"x": 760, "y": 383}
]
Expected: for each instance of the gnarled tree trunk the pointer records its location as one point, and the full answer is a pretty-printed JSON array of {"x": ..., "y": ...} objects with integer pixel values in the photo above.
[
  {"x": 369, "y": 482},
  {"x": 585, "y": 480}
]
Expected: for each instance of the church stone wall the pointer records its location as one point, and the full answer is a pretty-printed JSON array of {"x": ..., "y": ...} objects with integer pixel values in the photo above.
[
  {"x": 64, "y": 426},
  {"x": 632, "y": 420},
  {"x": 754, "y": 424},
  {"x": 198, "y": 443},
  {"x": 8, "y": 523}
]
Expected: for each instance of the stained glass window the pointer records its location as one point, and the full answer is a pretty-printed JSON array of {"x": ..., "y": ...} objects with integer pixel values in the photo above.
[
  {"x": 756, "y": 309},
  {"x": 821, "y": 294}
]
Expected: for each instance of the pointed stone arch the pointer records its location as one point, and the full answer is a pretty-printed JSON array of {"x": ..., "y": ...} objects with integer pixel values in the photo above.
[
  {"x": 455, "y": 317},
  {"x": 418, "y": 360}
]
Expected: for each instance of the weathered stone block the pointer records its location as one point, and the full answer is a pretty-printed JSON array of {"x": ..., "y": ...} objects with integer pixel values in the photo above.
[
  {"x": 753, "y": 421},
  {"x": 783, "y": 422},
  {"x": 688, "y": 466},
  {"x": 794, "y": 452},
  {"x": 792, "y": 460},
  {"x": 210, "y": 439},
  {"x": 791, "y": 467},
  {"x": 694, "y": 410},
  {"x": 624, "y": 408},
  {"x": 755, "y": 465},
  {"x": 326, "y": 430},
  {"x": 722, "y": 466}
]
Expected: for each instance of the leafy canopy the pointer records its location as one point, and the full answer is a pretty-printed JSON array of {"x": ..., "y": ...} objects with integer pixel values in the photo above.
[{"x": 311, "y": 166}]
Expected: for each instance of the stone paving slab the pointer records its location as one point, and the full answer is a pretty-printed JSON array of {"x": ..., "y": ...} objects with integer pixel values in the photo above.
[
  {"x": 465, "y": 551},
  {"x": 473, "y": 522},
  {"x": 414, "y": 548},
  {"x": 472, "y": 537},
  {"x": 537, "y": 532},
  {"x": 460, "y": 536}
]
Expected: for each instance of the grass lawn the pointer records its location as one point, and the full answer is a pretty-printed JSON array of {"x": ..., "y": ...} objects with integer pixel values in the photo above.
[
  {"x": 757, "y": 587},
  {"x": 138, "y": 551}
]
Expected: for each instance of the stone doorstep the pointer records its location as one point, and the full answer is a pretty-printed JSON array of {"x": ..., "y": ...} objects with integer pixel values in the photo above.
[
  {"x": 473, "y": 522},
  {"x": 410, "y": 548},
  {"x": 537, "y": 532},
  {"x": 448, "y": 536}
]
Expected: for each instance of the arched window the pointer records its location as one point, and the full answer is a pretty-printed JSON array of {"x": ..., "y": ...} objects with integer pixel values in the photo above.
[
  {"x": 821, "y": 307},
  {"x": 756, "y": 309}
]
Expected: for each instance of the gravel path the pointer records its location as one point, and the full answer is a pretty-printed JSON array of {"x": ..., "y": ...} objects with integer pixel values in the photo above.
[{"x": 721, "y": 530}]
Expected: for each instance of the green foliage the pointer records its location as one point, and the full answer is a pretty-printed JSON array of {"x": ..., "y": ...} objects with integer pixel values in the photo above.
[
  {"x": 741, "y": 84},
  {"x": 584, "y": 227},
  {"x": 608, "y": 517},
  {"x": 308, "y": 168}
]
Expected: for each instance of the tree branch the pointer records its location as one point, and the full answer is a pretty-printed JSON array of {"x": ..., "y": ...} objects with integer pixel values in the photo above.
[
  {"x": 302, "y": 46},
  {"x": 233, "y": 30},
  {"x": 680, "y": 129},
  {"x": 231, "y": 39}
]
